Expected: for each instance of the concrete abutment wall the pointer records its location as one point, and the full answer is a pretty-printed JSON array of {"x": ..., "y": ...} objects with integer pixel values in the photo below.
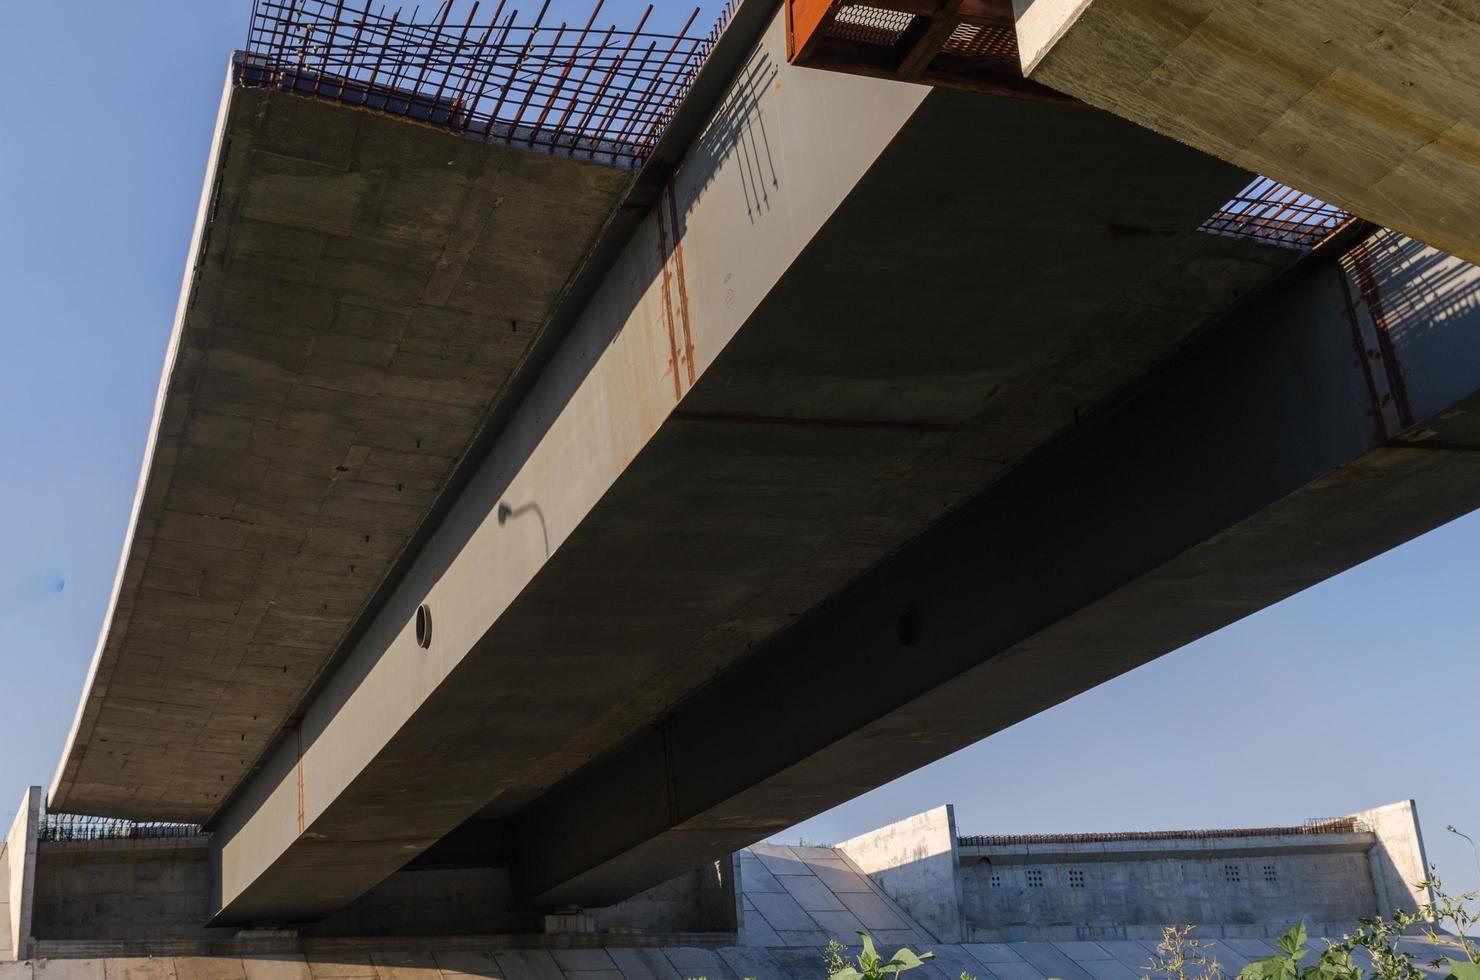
[
  {"x": 158, "y": 891},
  {"x": 915, "y": 862},
  {"x": 18, "y": 877},
  {"x": 1087, "y": 888}
]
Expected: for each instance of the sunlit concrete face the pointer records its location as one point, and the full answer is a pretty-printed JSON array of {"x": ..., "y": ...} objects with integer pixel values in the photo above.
[
  {"x": 361, "y": 289},
  {"x": 1374, "y": 106}
]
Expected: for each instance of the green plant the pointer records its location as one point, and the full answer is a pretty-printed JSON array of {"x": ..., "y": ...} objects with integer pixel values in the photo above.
[
  {"x": 834, "y": 958},
  {"x": 1454, "y": 911},
  {"x": 1335, "y": 963},
  {"x": 1380, "y": 937},
  {"x": 1180, "y": 957},
  {"x": 1183, "y": 957},
  {"x": 870, "y": 965}
]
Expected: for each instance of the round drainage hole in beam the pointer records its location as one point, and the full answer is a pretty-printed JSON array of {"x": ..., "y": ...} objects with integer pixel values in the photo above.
[
  {"x": 424, "y": 627},
  {"x": 908, "y": 627}
]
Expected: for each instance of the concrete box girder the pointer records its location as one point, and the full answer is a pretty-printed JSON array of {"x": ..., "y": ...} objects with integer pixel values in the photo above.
[
  {"x": 803, "y": 357},
  {"x": 1252, "y": 464},
  {"x": 361, "y": 290}
]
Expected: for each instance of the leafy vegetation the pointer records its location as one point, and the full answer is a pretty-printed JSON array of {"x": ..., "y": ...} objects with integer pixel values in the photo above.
[
  {"x": 1335, "y": 963},
  {"x": 869, "y": 965},
  {"x": 1182, "y": 957}
]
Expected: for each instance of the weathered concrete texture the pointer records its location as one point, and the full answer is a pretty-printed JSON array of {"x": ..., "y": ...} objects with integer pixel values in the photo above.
[
  {"x": 18, "y": 878},
  {"x": 1254, "y": 463},
  {"x": 805, "y": 896},
  {"x": 124, "y": 890},
  {"x": 1399, "y": 865},
  {"x": 807, "y": 354},
  {"x": 360, "y": 290},
  {"x": 1232, "y": 884},
  {"x": 157, "y": 892},
  {"x": 1375, "y": 106},
  {"x": 796, "y": 899},
  {"x": 915, "y": 862},
  {"x": 480, "y": 900},
  {"x": 1248, "y": 888}
]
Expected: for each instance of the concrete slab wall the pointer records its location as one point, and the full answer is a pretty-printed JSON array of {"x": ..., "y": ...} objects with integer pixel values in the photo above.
[
  {"x": 802, "y": 897},
  {"x": 632, "y": 355},
  {"x": 1075, "y": 895},
  {"x": 18, "y": 877},
  {"x": 701, "y": 901},
  {"x": 124, "y": 890},
  {"x": 158, "y": 891},
  {"x": 1224, "y": 897},
  {"x": 1398, "y": 863},
  {"x": 915, "y": 862},
  {"x": 480, "y": 901}
]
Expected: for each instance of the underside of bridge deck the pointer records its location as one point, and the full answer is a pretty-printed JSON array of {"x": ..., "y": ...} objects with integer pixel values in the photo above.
[
  {"x": 361, "y": 290},
  {"x": 1374, "y": 106},
  {"x": 899, "y": 415},
  {"x": 771, "y": 394}
]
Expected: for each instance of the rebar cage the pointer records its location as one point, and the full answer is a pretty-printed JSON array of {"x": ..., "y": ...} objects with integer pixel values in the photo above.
[
  {"x": 1278, "y": 214},
  {"x": 600, "y": 92}
]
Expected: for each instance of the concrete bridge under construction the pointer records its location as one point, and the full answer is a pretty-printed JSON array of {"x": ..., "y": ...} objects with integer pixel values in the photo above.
[{"x": 584, "y": 454}]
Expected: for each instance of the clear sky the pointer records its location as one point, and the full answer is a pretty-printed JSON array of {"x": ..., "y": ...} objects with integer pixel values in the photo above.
[{"x": 1360, "y": 691}]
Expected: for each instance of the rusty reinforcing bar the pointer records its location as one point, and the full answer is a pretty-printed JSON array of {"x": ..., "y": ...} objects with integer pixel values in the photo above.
[
  {"x": 582, "y": 89},
  {"x": 1277, "y": 214},
  {"x": 1336, "y": 825}
]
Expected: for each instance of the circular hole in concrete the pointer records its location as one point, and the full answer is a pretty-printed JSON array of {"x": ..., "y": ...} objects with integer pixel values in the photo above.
[
  {"x": 424, "y": 627},
  {"x": 908, "y": 627}
]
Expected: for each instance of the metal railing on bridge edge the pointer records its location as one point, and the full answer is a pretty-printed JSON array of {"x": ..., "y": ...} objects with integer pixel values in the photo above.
[{"x": 64, "y": 827}]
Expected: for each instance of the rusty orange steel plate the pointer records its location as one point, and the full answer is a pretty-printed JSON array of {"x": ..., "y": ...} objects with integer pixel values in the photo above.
[{"x": 970, "y": 44}]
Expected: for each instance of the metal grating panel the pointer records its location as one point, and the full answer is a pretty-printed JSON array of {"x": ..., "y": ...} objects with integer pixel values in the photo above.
[
  {"x": 581, "y": 88},
  {"x": 1271, "y": 212},
  {"x": 869, "y": 25},
  {"x": 990, "y": 43}
]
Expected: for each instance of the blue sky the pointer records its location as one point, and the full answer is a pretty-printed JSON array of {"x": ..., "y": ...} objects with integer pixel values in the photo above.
[{"x": 1358, "y": 692}]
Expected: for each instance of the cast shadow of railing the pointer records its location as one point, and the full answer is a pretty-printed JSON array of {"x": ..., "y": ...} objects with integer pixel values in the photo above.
[
  {"x": 1423, "y": 290},
  {"x": 738, "y": 131}
]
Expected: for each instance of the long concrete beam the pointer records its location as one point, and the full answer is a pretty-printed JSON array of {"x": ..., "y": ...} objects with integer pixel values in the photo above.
[
  {"x": 1373, "y": 106},
  {"x": 833, "y": 326},
  {"x": 630, "y": 357},
  {"x": 1320, "y": 425}
]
